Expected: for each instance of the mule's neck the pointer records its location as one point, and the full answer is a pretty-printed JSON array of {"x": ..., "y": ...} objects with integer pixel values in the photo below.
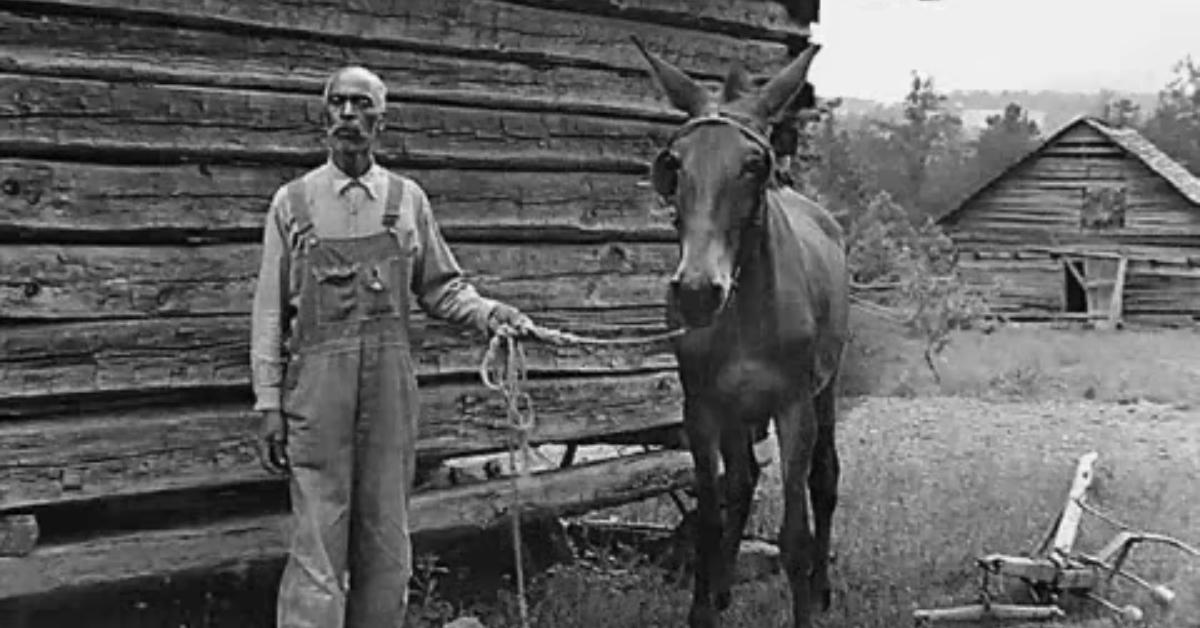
[{"x": 752, "y": 302}]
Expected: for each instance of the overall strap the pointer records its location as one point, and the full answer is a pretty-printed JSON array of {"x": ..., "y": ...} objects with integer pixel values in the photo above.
[
  {"x": 395, "y": 197},
  {"x": 301, "y": 214}
]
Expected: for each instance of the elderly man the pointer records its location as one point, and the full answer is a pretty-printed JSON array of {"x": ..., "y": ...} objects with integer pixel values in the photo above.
[{"x": 343, "y": 246}]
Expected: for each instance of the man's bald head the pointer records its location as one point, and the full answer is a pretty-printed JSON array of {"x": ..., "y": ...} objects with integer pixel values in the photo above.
[
  {"x": 355, "y": 101},
  {"x": 357, "y": 79}
]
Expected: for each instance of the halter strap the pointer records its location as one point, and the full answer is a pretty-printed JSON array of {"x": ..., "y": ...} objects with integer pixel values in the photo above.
[{"x": 720, "y": 117}]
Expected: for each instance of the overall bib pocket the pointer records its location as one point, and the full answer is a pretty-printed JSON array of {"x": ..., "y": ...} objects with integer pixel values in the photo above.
[
  {"x": 384, "y": 283},
  {"x": 337, "y": 291}
]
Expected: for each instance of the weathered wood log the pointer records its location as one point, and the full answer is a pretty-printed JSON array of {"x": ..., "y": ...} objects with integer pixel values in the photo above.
[
  {"x": 491, "y": 28},
  {"x": 68, "y": 458},
  {"x": 117, "y": 50},
  {"x": 460, "y": 510},
  {"x": 47, "y": 282},
  {"x": 760, "y": 19},
  {"x": 18, "y": 535},
  {"x": 43, "y": 365},
  {"x": 143, "y": 123},
  {"x": 755, "y": 19},
  {"x": 47, "y": 200},
  {"x": 115, "y": 47}
]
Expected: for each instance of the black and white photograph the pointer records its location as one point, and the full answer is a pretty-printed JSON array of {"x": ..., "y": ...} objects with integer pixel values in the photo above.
[{"x": 599, "y": 313}]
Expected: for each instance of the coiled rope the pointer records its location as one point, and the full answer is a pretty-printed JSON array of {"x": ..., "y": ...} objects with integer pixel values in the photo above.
[{"x": 504, "y": 370}]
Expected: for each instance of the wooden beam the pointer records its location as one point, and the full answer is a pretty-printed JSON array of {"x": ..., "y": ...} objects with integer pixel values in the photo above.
[
  {"x": 51, "y": 282},
  {"x": 1070, "y": 265},
  {"x": 1117, "y": 307},
  {"x": 47, "y": 365},
  {"x": 488, "y": 28},
  {"x": 47, "y": 200},
  {"x": 762, "y": 20},
  {"x": 67, "y": 45},
  {"x": 460, "y": 510},
  {"x": 1072, "y": 512},
  {"x": 155, "y": 124},
  {"x": 144, "y": 450}
]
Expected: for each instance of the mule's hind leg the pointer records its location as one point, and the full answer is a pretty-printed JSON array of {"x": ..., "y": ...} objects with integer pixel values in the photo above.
[
  {"x": 823, "y": 487},
  {"x": 741, "y": 477},
  {"x": 797, "y": 426}
]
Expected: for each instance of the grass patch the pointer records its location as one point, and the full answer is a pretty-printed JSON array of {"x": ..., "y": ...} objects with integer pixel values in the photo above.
[
  {"x": 929, "y": 484},
  {"x": 932, "y": 477},
  {"x": 1158, "y": 365}
]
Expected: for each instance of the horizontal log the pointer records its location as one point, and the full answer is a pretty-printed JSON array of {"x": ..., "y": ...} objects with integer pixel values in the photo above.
[
  {"x": 48, "y": 200},
  {"x": 49, "y": 282},
  {"x": 1170, "y": 241},
  {"x": 66, "y": 458},
  {"x": 40, "y": 365},
  {"x": 121, "y": 51},
  {"x": 459, "y": 510},
  {"x": 490, "y": 28},
  {"x": 766, "y": 19},
  {"x": 144, "y": 123}
]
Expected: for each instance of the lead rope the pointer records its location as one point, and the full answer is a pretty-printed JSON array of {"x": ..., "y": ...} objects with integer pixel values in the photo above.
[
  {"x": 507, "y": 381},
  {"x": 505, "y": 374}
]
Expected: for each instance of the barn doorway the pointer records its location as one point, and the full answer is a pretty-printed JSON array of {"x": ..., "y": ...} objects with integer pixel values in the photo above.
[{"x": 1075, "y": 298}]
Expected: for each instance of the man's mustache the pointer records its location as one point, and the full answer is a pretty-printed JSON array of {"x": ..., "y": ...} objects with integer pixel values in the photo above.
[{"x": 346, "y": 130}]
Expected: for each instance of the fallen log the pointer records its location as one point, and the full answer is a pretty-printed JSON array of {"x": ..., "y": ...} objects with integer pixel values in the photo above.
[{"x": 437, "y": 514}]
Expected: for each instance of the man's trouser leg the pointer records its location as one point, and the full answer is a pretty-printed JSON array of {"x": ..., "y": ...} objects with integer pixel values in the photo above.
[
  {"x": 320, "y": 412},
  {"x": 380, "y": 548}
]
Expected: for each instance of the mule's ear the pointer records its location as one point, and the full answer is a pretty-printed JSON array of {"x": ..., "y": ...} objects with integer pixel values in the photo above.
[
  {"x": 737, "y": 83},
  {"x": 780, "y": 90},
  {"x": 788, "y": 123},
  {"x": 684, "y": 93}
]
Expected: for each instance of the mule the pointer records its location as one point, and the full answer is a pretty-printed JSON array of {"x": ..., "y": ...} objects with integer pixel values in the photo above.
[{"x": 761, "y": 291}]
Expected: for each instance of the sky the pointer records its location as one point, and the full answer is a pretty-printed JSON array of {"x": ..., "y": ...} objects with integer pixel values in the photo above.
[{"x": 870, "y": 47}]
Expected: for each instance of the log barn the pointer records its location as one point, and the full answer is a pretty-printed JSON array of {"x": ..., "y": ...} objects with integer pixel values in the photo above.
[
  {"x": 141, "y": 144},
  {"x": 1095, "y": 224}
]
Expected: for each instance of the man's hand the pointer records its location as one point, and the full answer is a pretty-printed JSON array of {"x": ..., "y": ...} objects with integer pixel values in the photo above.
[
  {"x": 272, "y": 442},
  {"x": 507, "y": 316}
]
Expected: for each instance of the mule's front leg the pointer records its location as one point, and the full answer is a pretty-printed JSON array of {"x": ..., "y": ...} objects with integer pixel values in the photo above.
[
  {"x": 703, "y": 431},
  {"x": 741, "y": 476},
  {"x": 797, "y": 428}
]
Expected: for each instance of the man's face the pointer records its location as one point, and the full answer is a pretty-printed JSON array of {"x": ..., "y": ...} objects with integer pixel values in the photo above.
[{"x": 353, "y": 111}]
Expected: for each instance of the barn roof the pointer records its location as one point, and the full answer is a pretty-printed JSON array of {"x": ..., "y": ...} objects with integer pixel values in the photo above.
[{"x": 1129, "y": 140}]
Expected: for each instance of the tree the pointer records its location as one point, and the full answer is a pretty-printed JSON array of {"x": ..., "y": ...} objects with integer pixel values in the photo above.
[
  {"x": 1007, "y": 138},
  {"x": 921, "y": 159},
  {"x": 1175, "y": 124},
  {"x": 1121, "y": 113},
  {"x": 831, "y": 170}
]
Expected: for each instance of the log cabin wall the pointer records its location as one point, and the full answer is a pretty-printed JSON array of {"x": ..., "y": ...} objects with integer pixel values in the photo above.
[
  {"x": 1016, "y": 231},
  {"x": 141, "y": 143}
]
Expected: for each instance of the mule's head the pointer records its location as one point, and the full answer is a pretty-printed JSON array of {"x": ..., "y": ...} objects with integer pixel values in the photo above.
[{"x": 714, "y": 172}]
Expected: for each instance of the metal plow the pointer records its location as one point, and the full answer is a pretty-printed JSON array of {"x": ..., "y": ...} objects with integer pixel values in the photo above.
[{"x": 1055, "y": 568}]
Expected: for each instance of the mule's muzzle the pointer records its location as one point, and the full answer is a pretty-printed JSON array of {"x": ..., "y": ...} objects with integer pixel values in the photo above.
[{"x": 696, "y": 304}]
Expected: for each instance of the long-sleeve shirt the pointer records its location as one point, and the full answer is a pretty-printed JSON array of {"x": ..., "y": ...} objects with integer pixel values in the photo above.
[{"x": 344, "y": 207}]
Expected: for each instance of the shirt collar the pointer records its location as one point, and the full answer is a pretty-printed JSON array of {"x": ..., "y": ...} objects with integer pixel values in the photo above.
[{"x": 370, "y": 181}]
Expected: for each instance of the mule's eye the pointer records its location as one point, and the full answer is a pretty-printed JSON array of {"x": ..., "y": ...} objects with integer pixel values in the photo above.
[{"x": 754, "y": 166}]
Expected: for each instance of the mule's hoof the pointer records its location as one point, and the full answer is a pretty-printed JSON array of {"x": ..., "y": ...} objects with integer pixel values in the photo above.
[
  {"x": 821, "y": 592},
  {"x": 702, "y": 618}
]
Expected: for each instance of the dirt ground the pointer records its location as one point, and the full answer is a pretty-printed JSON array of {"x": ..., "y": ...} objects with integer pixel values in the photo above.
[{"x": 933, "y": 475}]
